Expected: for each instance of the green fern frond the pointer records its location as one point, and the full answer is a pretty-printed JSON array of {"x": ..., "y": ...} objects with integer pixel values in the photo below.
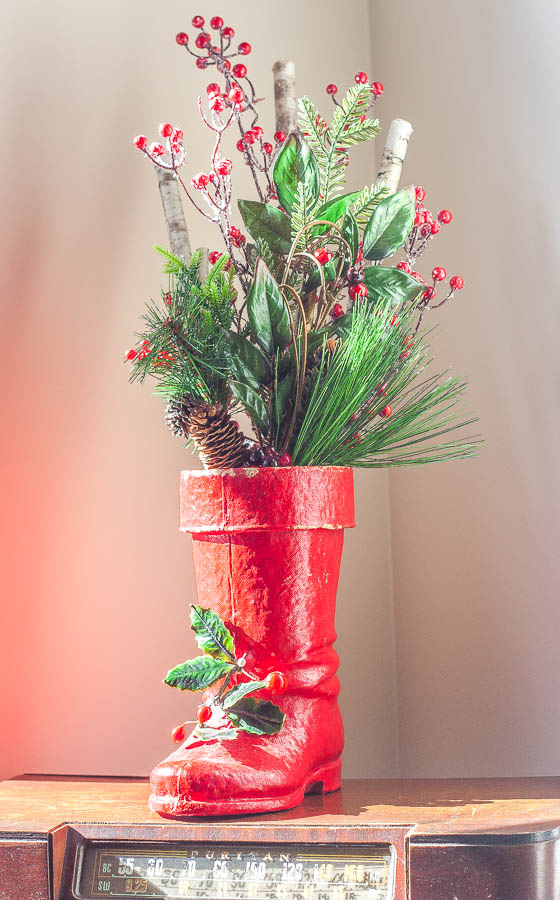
[
  {"x": 302, "y": 213},
  {"x": 364, "y": 205}
]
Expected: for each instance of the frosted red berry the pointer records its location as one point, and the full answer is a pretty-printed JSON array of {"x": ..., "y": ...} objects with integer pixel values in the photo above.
[
  {"x": 216, "y": 22},
  {"x": 236, "y": 95},
  {"x": 200, "y": 181},
  {"x": 131, "y": 354},
  {"x": 224, "y": 167},
  {"x": 204, "y": 713},
  {"x": 377, "y": 88},
  {"x": 279, "y": 137},
  {"x": 268, "y": 148},
  {"x": 157, "y": 149},
  {"x": 214, "y": 256},
  {"x": 276, "y": 682},
  {"x": 178, "y": 734},
  {"x": 434, "y": 227},
  {"x": 244, "y": 48},
  {"x": 439, "y": 273},
  {"x": 216, "y": 103},
  {"x": 337, "y": 311},
  {"x": 257, "y": 131},
  {"x": 201, "y": 63},
  {"x": 332, "y": 89},
  {"x": 444, "y": 216},
  {"x": 239, "y": 70},
  {"x": 249, "y": 137},
  {"x": 140, "y": 141},
  {"x": 198, "y": 21},
  {"x": 285, "y": 460},
  {"x": 403, "y": 266},
  {"x": 457, "y": 283},
  {"x": 202, "y": 40},
  {"x": 360, "y": 78},
  {"x": 386, "y": 411},
  {"x": 420, "y": 194},
  {"x": 228, "y": 32},
  {"x": 182, "y": 38},
  {"x": 165, "y": 129},
  {"x": 213, "y": 88},
  {"x": 357, "y": 290},
  {"x": 240, "y": 145}
]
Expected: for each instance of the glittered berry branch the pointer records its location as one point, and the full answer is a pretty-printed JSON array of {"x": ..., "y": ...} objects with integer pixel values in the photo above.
[{"x": 232, "y": 709}]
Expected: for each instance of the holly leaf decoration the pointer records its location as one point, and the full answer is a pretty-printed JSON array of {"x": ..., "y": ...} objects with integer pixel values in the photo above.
[
  {"x": 240, "y": 691},
  {"x": 197, "y": 674},
  {"x": 212, "y": 636},
  {"x": 334, "y": 210},
  {"x": 295, "y": 164},
  {"x": 392, "y": 284},
  {"x": 253, "y": 403},
  {"x": 256, "y": 716},
  {"x": 390, "y": 224},
  {"x": 206, "y": 733},
  {"x": 265, "y": 222},
  {"x": 267, "y": 313},
  {"x": 247, "y": 363}
]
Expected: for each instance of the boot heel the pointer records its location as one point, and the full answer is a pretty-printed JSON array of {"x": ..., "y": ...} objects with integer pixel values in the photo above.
[{"x": 325, "y": 779}]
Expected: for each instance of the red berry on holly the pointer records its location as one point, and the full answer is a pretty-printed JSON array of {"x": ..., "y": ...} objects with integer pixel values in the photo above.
[
  {"x": 257, "y": 131},
  {"x": 429, "y": 293},
  {"x": 204, "y": 713},
  {"x": 236, "y": 95},
  {"x": 420, "y": 194},
  {"x": 279, "y": 137},
  {"x": 425, "y": 231},
  {"x": 213, "y": 88},
  {"x": 249, "y": 137},
  {"x": 357, "y": 290},
  {"x": 228, "y": 32},
  {"x": 198, "y": 21},
  {"x": 201, "y": 63},
  {"x": 178, "y": 734},
  {"x": 156, "y": 149},
  {"x": 240, "y": 145},
  {"x": 434, "y": 227},
  {"x": 244, "y": 48},
  {"x": 418, "y": 277},
  {"x": 418, "y": 219},
  {"x": 332, "y": 89},
  {"x": 337, "y": 311},
  {"x": 276, "y": 682},
  {"x": 386, "y": 411},
  {"x": 239, "y": 70},
  {"x": 165, "y": 129},
  {"x": 403, "y": 266},
  {"x": 268, "y": 148},
  {"x": 377, "y": 88},
  {"x": 202, "y": 40},
  {"x": 200, "y": 181},
  {"x": 224, "y": 167},
  {"x": 130, "y": 354},
  {"x": 285, "y": 460},
  {"x": 322, "y": 256},
  {"x": 140, "y": 141},
  {"x": 444, "y": 216},
  {"x": 439, "y": 273},
  {"x": 457, "y": 283},
  {"x": 182, "y": 38},
  {"x": 360, "y": 78},
  {"x": 216, "y": 22}
]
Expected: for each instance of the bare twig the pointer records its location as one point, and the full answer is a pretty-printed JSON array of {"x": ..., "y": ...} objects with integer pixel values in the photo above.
[
  {"x": 173, "y": 211},
  {"x": 393, "y": 155},
  {"x": 285, "y": 101}
]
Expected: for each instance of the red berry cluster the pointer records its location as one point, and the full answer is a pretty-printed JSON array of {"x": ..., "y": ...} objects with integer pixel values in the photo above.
[
  {"x": 156, "y": 151},
  {"x": 216, "y": 54},
  {"x": 376, "y": 88},
  {"x": 266, "y": 457}
]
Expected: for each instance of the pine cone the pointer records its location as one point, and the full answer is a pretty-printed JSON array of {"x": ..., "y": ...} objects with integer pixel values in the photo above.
[{"x": 215, "y": 435}]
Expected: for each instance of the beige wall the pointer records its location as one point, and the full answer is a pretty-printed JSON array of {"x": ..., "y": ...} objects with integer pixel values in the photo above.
[{"x": 97, "y": 577}]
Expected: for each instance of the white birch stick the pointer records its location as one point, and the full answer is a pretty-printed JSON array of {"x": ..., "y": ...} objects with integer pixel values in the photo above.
[
  {"x": 170, "y": 193},
  {"x": 393, "y": 155},
  {"x": 285, "y": 100},
  {"x": 204, "y": 266}
]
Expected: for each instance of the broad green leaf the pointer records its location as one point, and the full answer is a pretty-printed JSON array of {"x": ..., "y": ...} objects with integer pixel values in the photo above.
[
  {"x": 256, "y": 716},
  {"x": 314, "y": 280},
  {"x": 212, "y": 636},
  {"x": 247, "y": 363},
  {"x": 390, "y": 224},
  {"x": 207, "y": 733},
  {"x": 294, "y": 164},
  {"x": 253, "y": 403},
  {"x": 197, "y": 674},
  {"x": 283, "y": 392},
  {"x": 267, "y": 313},
  {"x": 334, "y": 210},
  {"x": 240, "y": 691},
  {"x": 393, "y": 284},
  {"x": 267, "y": 223},
  {"x": 351, "y": 233}
]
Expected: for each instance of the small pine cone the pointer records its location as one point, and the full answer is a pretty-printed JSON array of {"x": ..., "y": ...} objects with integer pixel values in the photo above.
[{"x": 215, "y": 435}]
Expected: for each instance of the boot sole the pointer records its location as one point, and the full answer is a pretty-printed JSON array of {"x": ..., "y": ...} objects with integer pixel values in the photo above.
[{"x": 323, "y": 780}]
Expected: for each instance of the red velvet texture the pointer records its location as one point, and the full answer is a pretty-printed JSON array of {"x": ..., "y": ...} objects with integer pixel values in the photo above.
[{"x": 266, "y": 546}]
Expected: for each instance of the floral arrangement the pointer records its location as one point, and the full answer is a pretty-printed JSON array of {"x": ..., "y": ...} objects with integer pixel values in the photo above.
[{"x": 312, "y": 319}]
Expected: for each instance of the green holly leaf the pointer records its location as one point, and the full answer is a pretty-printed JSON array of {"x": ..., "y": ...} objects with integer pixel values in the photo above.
[
  {"x": 256, "y": 716},
  {"x": 351, "y": 233},
  {"x": 206, "y": 733},
  {"x": 212, "y": 636},
  {"x": 390, "y": 224},
  {"x": 295, "y": 164},
  {"x": 267, "y": 223},
  {"x": 253, "y": 403},
  {"x": 197, "y": 674},
  {"x": 247, "y": 363},
  {"x": 392, "y": 284},
  {"x": 267, "y": 313},
  {"x": 240, "y": 691},
  {"x": 334, "y": 210}
]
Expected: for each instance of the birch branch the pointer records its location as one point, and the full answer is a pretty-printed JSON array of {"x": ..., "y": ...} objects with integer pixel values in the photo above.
[
  {"x": 285, "y": 101},
  {"x": 174, "y": 216},
  {"x": 204, "y": 266},
  {"x": 393, "y": 155}
]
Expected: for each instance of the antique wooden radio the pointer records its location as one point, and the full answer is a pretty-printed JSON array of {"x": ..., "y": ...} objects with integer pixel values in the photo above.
[{"x": 91, "y": 838}]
